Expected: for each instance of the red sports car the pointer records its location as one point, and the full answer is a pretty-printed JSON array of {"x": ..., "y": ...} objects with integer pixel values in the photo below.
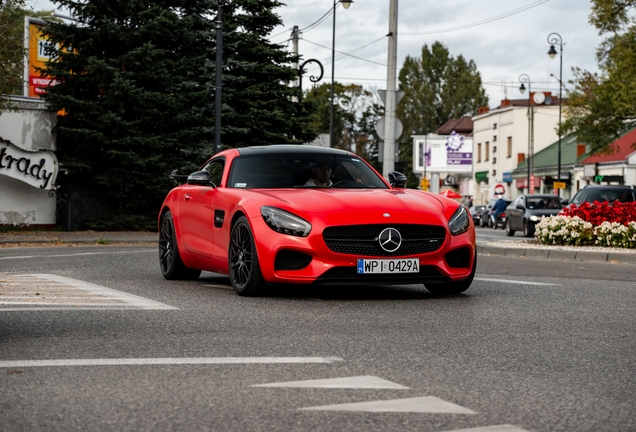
[{"x": 294, "y": 214}]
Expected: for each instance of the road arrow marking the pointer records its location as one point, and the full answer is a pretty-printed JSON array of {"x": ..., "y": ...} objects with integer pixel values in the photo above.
[
  {"x": 424, "y": 404},
  {"x": 357, "y": 382}
]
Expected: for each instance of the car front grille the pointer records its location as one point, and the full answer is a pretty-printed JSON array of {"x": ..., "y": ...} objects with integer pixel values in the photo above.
[{"x": 363, "y": 239}]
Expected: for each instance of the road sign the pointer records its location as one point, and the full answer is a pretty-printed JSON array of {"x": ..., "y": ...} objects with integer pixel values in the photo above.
[
  {"x": 500, "y": 189},
  {"x": 379, "y": 128},
  {"x": 558, "y": 185}
]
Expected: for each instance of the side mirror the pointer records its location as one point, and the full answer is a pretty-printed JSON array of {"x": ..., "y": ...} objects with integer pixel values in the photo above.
[
  {"x": 564, "y": 202},
  {"x": 397, "y": 179},
  {"x": 520, "y": 207},
  {"x": 200, "y": 178}
]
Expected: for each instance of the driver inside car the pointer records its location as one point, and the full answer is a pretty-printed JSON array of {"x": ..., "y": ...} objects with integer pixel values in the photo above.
[{"x": 322, "y": 174}]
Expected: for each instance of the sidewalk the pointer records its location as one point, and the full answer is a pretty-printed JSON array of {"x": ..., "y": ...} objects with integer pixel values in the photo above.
[
  {"x": 86, "y": 238},
  {"x": 527, "y": 249}
]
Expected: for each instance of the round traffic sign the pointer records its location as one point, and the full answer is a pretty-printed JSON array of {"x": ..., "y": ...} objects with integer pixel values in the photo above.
[{"x": 500, "y": 189}]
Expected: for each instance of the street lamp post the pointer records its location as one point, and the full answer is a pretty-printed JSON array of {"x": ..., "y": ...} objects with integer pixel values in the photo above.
[
  {"x": 553, "y": 38},
  {"x": 218, "y": 86},
  {"x": 524, "y": 78},
  {"x": 345, "y": 4}
]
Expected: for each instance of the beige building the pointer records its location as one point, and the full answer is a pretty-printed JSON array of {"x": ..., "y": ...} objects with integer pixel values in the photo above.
[{"x": 502, "y": 139}]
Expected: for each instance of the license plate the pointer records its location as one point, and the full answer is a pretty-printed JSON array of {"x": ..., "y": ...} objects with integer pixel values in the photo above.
[{"x": 408, "y": 265}]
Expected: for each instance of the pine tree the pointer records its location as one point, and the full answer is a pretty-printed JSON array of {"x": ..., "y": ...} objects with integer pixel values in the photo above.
[
  {"x": 134, "y": 90},
  {"x": 11, "y": 49},
  {"x": 258, "y": 101}
]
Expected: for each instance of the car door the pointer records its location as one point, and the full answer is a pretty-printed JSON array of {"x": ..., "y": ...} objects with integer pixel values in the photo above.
[
  {"x": 196, "y": 214},
  {"x": 515, "y": 215}
]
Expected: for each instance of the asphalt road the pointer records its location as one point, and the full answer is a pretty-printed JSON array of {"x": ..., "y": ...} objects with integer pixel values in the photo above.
[{"x": 533, "y": 345}]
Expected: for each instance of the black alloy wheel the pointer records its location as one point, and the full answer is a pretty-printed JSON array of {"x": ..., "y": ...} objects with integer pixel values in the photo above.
[
  {"x": 172, "y": 268},
  {"x": 245, "y": 271}
]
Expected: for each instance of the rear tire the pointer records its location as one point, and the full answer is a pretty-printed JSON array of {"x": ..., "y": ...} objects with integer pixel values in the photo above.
[
  {"x": 245, "y": 271},
  {"x": 454, "y": 287},
  {"x": 509, "y": 232},
  {"x": 172, "y": 267}
]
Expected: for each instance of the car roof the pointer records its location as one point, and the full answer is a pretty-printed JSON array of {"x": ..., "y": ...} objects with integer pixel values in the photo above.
[
  {"x": 287, "y": 148},
  {"x": 608, "y": 187}
]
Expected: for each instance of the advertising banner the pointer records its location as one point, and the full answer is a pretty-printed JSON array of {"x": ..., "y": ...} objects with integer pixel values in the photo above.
[
  {"x": 36, "y": 84},
  {"x": 443, "y": 154}
]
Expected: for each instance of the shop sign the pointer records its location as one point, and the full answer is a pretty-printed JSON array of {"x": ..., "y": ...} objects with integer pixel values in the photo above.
[
  {"x": 38, "y": 169},
  {"x": 507, "y": 177}
]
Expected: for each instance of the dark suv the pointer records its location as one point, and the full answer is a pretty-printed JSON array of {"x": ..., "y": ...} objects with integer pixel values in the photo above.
[{"x": 600, "y": 193}]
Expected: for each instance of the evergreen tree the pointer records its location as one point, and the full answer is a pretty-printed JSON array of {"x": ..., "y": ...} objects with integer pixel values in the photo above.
[
  {"x": 134, "y": 90},
  {"x": 437, "y": 87},
  {"x": 602, "y": 107},
  {"x": 258, "y": 101}
]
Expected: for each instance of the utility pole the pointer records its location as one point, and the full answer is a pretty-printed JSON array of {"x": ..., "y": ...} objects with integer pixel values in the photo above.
[
  {"x": 218, "y": 88},
  {"x": 388, "y": 164},
  {"x": 295, "y": 34}
]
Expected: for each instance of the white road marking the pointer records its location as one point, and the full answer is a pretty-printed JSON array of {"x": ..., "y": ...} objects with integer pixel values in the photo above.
[
  {"x": 515, "y": 282},
  {"x": 65, "y": 293},
  {"x": 77, "y": 254},
  {"x": 357, "y": 382},
  {"x": 497, "y": 428},
  {"x": 167, "y": 361},
  {"x": 424, "y": 404}
]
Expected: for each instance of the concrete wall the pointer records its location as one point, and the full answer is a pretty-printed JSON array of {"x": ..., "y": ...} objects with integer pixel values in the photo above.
[{"x": 29, "y": 128}]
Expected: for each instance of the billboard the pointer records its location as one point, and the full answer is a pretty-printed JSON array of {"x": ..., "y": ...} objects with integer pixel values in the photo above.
[
  {"x": 35, "y": 84},
  {"x": 443, "y": 153}
]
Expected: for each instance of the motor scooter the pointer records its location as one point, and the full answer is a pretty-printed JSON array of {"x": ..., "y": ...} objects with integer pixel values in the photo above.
[{"x": 500, "y": 222}]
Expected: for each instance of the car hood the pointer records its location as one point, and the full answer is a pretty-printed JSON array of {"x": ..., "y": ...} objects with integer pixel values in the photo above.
[{"x": 337, "y": 206}]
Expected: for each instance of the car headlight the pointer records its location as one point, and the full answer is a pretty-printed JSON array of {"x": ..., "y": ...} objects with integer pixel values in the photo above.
[
  {"x": 534, "y": 218},
  {"x": 285, "y": 222},
  {"x": 459, "y": 222}
]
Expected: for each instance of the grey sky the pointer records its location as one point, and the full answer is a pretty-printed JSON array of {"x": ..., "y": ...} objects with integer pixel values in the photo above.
[{"x": 502, "y": 48}]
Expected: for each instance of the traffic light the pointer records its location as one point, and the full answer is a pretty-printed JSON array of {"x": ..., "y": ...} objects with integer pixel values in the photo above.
[{"x": 424, "y": 184}]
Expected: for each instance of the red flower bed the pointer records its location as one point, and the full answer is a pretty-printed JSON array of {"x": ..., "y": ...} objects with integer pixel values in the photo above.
[{"x": 597, "y": 213}]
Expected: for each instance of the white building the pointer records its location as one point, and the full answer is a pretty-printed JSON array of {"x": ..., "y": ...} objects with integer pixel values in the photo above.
[{"x": 502, "y": 139}]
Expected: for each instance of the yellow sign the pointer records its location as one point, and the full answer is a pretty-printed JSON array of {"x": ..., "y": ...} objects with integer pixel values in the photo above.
[
  {"x": 37, "y": 59},
  {"x": 558, "y": 185},
  {"x": 424, "y": 184}
]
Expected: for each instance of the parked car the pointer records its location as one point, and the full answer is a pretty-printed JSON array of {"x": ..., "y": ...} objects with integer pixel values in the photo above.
[
  {"x": 600, "y": 193},
  {"x": 486, "y": 220},
  {"x": 527, "y": 210},
  {"x": 251, "y": 214},
  {"x": 476, "y": 211}
]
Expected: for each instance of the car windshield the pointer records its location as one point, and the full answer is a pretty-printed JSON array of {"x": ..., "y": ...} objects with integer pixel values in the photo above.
[
  {"x": 603, "y": 194},
  {"x": 302, "y": 171},
  {"x": 537, "y": 203}
]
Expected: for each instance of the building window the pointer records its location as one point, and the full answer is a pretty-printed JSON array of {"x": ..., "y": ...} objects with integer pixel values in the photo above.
[
  {"x": 479, "y": 152},
  {"x": 494, "y": 125},
  {"x": 494, "y": 149},
  {"x": 494, "y": 160},
  {"x": 487, "y": 153},
  {"x": 509, "y": 147},
  {"x": 494, "y": 138},
  {"x": 494, "y": 173}
]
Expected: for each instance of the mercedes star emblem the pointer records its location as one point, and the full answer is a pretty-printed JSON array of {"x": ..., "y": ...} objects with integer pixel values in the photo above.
[{"x": 390, "y": 239}]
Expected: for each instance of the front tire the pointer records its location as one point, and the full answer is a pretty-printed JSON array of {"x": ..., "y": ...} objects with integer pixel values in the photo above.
[
  {"x": 509, "y": 232},
  {"x": 245, "y": 271},
  {"x": 454, "y": 287},
  {"x": 526, "y": 229},
  {"x": 172, "y": 267}
]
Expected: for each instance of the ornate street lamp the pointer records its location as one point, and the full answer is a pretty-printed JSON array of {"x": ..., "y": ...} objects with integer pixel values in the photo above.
[
  {"x": 345, "y": 4},
  {"x": 218, "y": 86},
  {"x": 524, "y": 78},
  {"x": 312, "y": 78},
  {"x": 553, "y": 38}
]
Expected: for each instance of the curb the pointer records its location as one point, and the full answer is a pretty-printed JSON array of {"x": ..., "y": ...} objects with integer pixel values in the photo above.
[{"x": 546, "y": 253}]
